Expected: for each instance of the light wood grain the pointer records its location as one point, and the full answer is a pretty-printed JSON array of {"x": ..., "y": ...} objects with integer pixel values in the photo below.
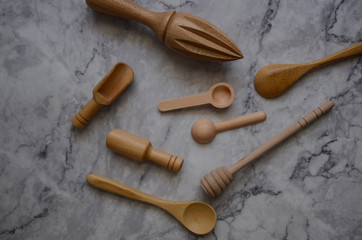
[
  {"x": 106, "y": 91},
  {"x": 182, "y": 32},
  {"x": 204, "y": 130},
  {"x": 273, "y": 80},
  {"x": 198, "y": 217},
  {"x": 220, "y": 95},
  {"x": 141, "y": 149},
  {"x": 215, "y": 182}
]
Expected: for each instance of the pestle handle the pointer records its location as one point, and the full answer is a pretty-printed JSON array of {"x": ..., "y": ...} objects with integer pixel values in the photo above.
[
  {"x": 82, "y": 118},
  {"x": 130, "y": 10},
  {"x": 240, "y": 121},
  {"x": 303, "y": 122}
]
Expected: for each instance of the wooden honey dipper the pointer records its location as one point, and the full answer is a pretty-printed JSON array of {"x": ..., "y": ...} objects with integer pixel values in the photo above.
[
  {"x": 215, "y": 182},
  {"x": 205, "y": 130},
  {"x": 182, "y": 32},
  {"x": 141, "y": 149}
]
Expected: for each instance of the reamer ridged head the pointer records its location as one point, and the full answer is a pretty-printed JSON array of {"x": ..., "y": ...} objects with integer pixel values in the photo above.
[
  {"x": 197, "y": 38},
  {"x": 215, "y": 182}
]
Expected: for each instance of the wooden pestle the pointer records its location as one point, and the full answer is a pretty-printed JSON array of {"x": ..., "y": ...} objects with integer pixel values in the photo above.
[
  {"x": 217, "y": 180},
  {"x": 106, "y": 91},
  {"x": 182, "y": 32},
  {"x": 141, "y": 149},
  {"x": 204, "y": 130}
]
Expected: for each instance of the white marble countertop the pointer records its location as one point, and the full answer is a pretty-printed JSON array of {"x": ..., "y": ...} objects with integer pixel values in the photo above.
[{"x": 52, "y": 54}]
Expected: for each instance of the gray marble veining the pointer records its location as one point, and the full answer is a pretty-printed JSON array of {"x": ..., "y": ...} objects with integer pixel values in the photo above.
[{"x": 52, "y": 54}]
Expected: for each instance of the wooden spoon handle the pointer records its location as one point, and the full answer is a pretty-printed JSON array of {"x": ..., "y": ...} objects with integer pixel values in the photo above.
[
  {"x": 184, "y": 102},
  {"x": 82, "y": 118},
  {"x": 347, "y": 52},
  {"x": 112, "y": 186},
  {"x": 240, "y": 121},
  {"x": 303, "y": 122}
]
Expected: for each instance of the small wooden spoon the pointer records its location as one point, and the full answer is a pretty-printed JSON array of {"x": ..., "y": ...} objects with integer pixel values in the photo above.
[
  {"x": 198, "y": 217},
  {"x": 220, "y": 95},
  {"x": 106, "y": 91},
  {"x": 205, "y": 130},
  {"x": 272, "y": 80}
]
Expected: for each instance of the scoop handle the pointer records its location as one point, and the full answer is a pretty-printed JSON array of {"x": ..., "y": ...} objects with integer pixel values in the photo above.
[
  {"x": 83, "y": 117},
  {"x": 184, "y": 102},
  {"x": 240, "y": 121},
  {"x": 347, "y": 52},
  {"x": 301, "y": 123},
  {"x": 130, "y": 10},
  {"x": 113, "y": 186}
]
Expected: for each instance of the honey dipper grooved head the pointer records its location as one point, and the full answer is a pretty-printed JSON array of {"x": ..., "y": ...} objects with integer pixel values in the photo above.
[{"x": 215, "y": 182}]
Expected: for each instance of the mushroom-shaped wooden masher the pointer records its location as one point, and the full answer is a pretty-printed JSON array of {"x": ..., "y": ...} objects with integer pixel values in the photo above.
[{"x": 205, "y": 130}]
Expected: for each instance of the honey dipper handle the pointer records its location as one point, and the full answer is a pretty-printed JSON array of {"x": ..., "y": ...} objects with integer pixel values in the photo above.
[
  {"x": 240, "y": 121},
  {"x": 347, "y": 52},
  {"x": 129, "y": 10},
  {"x": 303, "y": 122},
  {"x": 112, "y": 186}
]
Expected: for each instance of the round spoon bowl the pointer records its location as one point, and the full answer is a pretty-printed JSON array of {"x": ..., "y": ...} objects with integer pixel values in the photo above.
[
  {"x": 199, "y": 218},
  {"x": 203, "y": 131},
  {"x": 222, "y": 95}
]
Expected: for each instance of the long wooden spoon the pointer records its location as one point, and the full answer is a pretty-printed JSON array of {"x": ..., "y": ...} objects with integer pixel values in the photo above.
[
  {"x": 106, "y": 91},
  {"x": 182, "y": 32},
  {"x": 198, "y": 217},
  {"x": 220, "y": 95},
  {"x": 272, "y": 80}
]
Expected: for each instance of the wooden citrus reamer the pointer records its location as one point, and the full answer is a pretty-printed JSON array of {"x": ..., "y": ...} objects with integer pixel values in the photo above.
[
  {"x": 141, "y": 149},
  {"x": 182, "y": 32},
  {"x": 106, "y": 91},
  {"x": 217, "y": 180},
  {"x": 272, "y": 80}
]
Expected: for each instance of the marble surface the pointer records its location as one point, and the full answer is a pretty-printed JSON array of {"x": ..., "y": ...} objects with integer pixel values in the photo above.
[{"x": 52, "y": 54}]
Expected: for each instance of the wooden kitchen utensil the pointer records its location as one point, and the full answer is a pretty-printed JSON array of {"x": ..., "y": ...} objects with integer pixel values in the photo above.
[
  {"x": 198, "y": 217},
  {"x": 141, "y": 150},
  {"x": 272, "y": 80},
  {"x": 182, "y": 32},
  {"x": 204, "y": 130},
  {"x": 220, "y": 95},
  {"x": 217, "y": 180},
  {"x": 106, "y": 91}
]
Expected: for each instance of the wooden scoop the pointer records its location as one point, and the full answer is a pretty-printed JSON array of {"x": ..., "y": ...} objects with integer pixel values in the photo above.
[
  {"x": 204, "y": 130},
  {"x": 183, "y": 32},
  {"x": 220, "y": 95},
  {"x": 106, "y": 91},
  {"x": 198, "y": 217},
  {"x": 272, "y": 80},
  {"x": 215, "y": 182}
]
